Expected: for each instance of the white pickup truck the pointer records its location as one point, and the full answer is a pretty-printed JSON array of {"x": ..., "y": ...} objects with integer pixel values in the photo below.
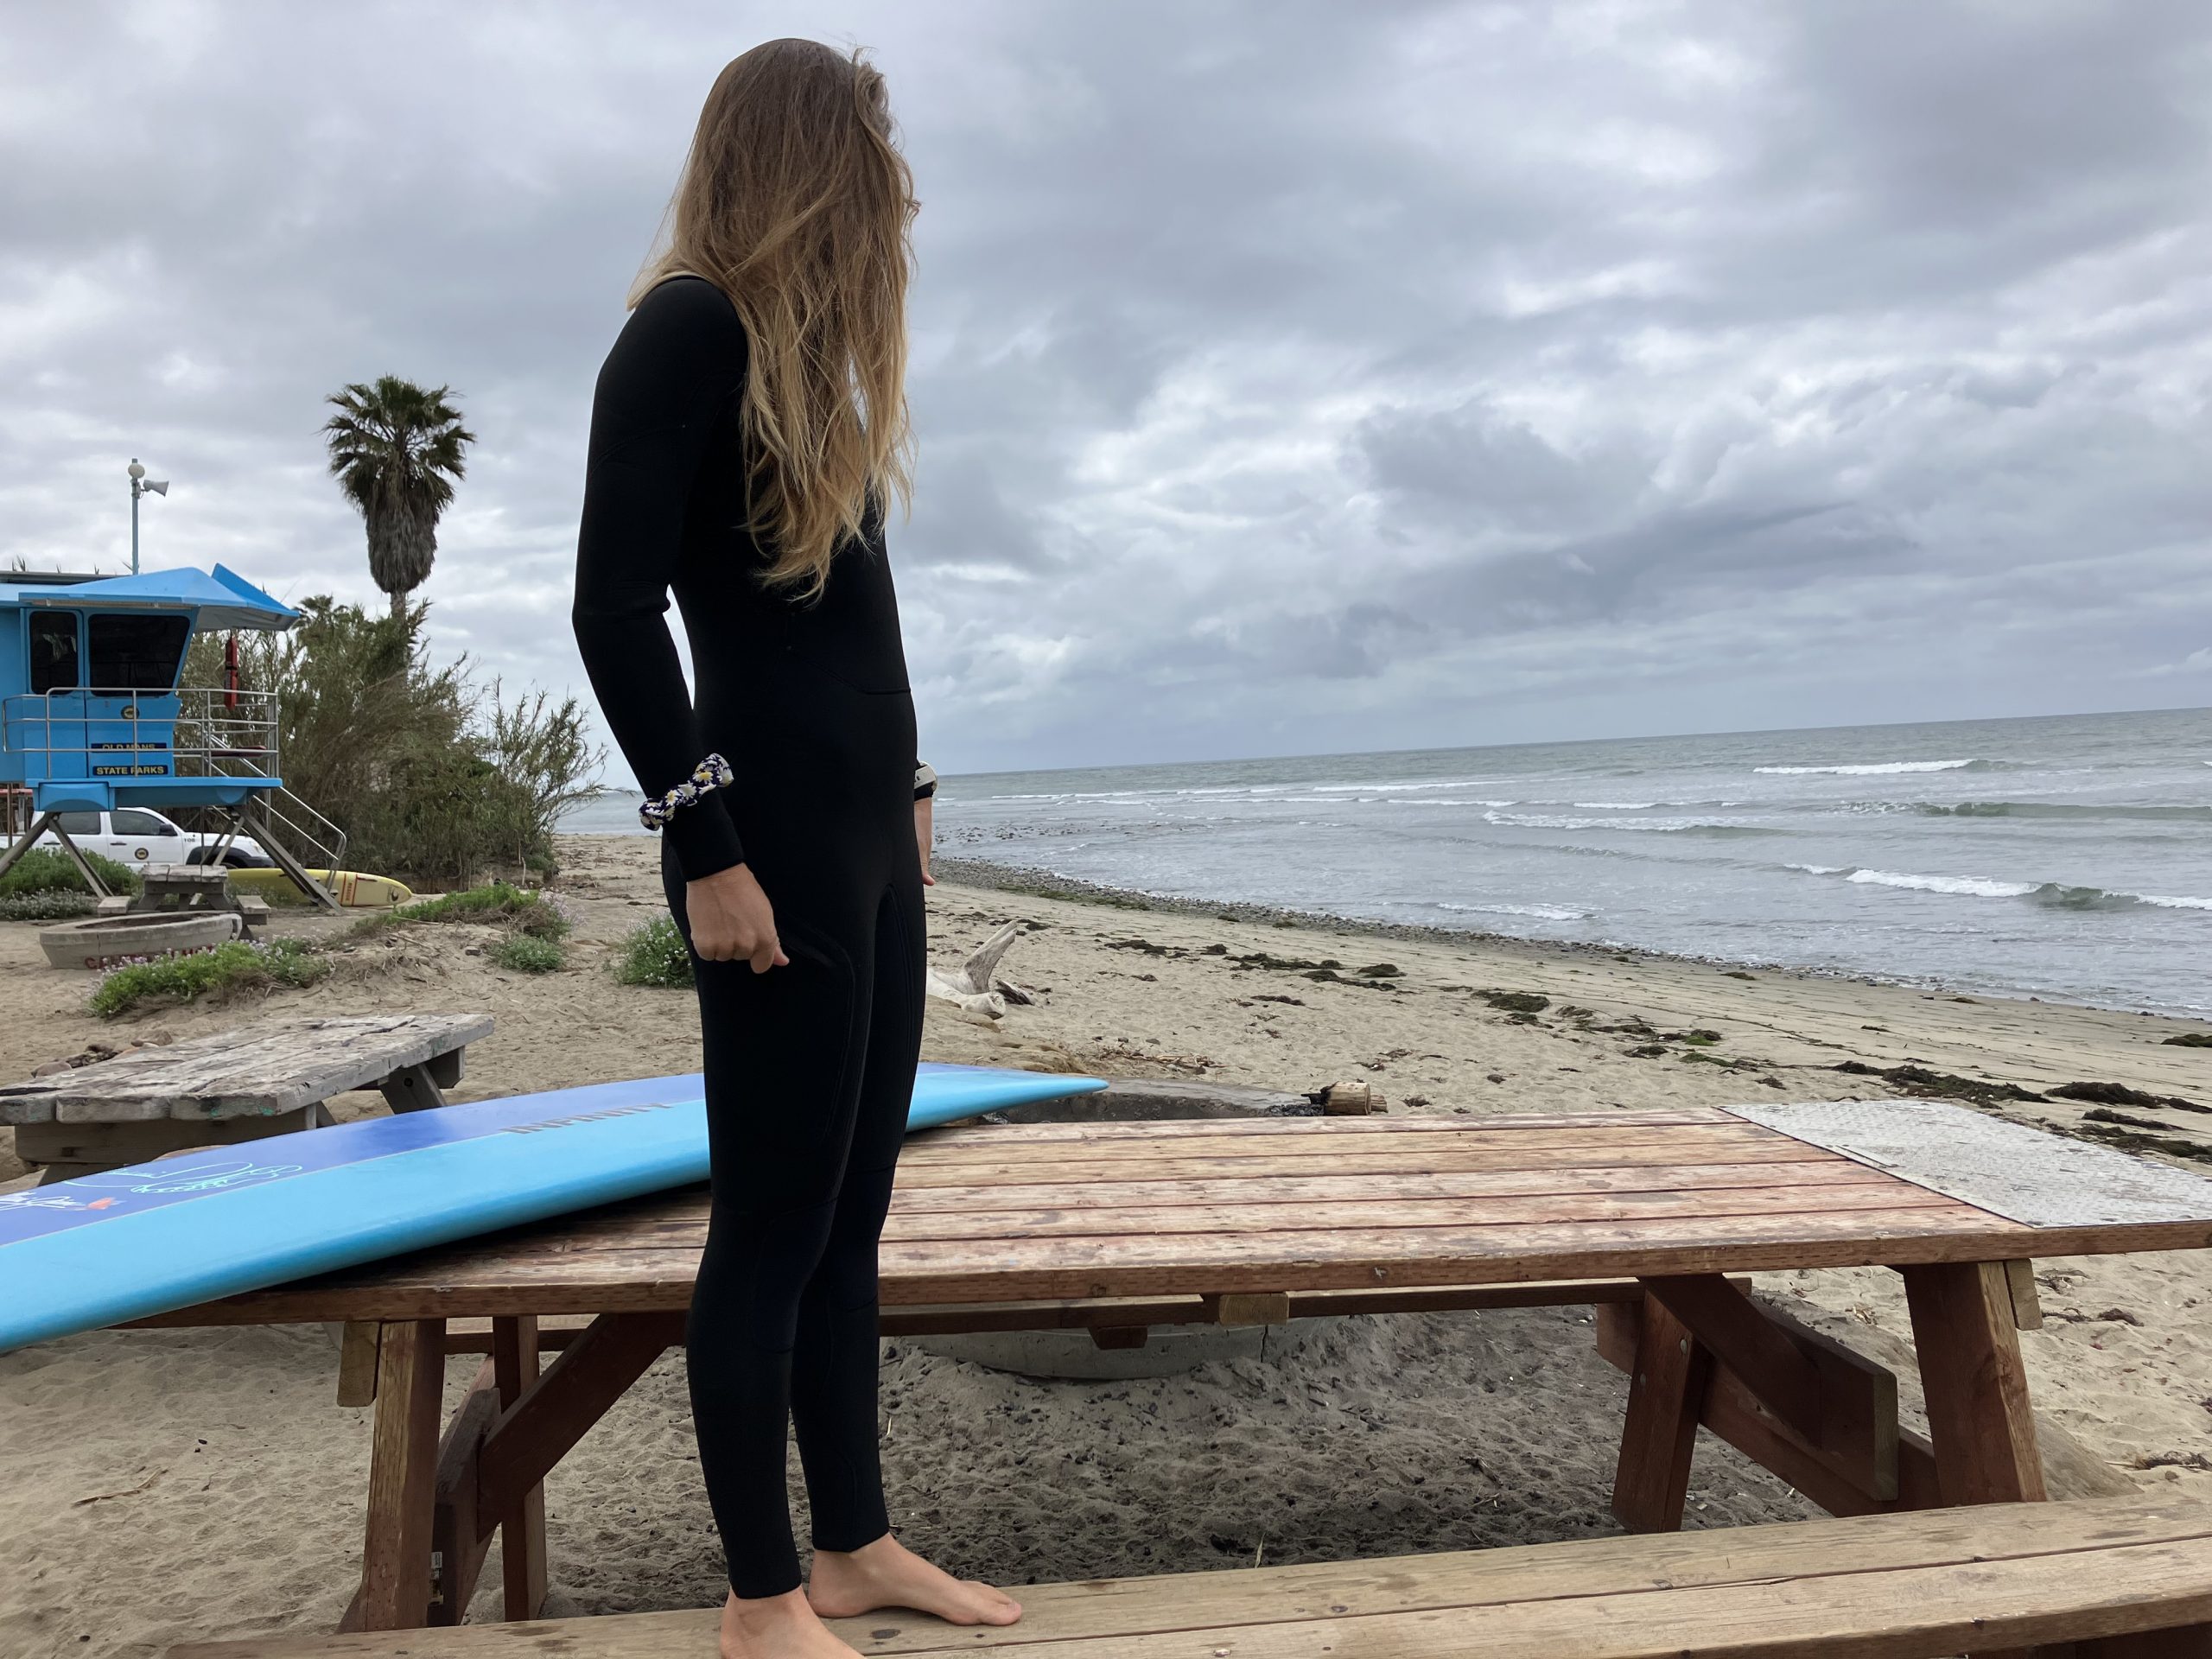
[{"x": 135, "y": 834}]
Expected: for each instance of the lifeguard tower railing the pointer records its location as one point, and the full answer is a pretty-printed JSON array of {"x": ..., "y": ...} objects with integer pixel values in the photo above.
[{"x": 122, "y": 736}]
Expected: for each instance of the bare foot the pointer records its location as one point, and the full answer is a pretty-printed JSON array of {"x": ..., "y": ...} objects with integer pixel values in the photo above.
[
  {"x": 886, "y": 1573},
  {"x": 777, "y": 1627}
]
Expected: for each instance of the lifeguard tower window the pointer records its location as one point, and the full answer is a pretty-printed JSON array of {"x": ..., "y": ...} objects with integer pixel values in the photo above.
[
  {"x": 137, "y": 653},
  {"x": 54, "y": 651}
]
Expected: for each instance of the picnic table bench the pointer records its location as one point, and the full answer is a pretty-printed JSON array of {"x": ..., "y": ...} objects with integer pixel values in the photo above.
[
  {"x": 1118, "y": 1226},
  {"x": 231, "y": 1086},
  {"x": 2113, "y": 1578}
]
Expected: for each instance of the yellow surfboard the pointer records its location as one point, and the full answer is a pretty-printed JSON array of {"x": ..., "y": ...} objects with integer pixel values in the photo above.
[{"x": 348, "y": 887}]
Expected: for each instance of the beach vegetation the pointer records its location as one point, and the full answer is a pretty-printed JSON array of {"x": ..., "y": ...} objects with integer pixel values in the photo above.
[
  {"x": 526, "y": 953},
  {"x": 48, "y": 869},
  {"x": 48, "y": 906},
  {"x": 496, "y": 904},
  {"x": 234, "y": 969},
  {"x": 435, "y": 778},
  {"x": 655, "y": 954}
]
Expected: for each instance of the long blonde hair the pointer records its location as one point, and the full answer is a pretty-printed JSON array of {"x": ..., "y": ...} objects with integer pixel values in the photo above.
[{"x": 796, "y": 203}]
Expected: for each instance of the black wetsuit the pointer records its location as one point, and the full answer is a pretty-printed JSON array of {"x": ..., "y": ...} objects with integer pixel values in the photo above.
[{"x": 809, "y": 1067}]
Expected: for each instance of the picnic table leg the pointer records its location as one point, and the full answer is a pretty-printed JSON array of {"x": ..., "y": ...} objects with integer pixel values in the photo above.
[
  {"x": 521, "y": 1529},
  {"x": 1666, "y": 1397},
  {"x": 411, "y": 1089},
  {"x": 402, "y": 1477},
  {"x": 1984, "y": 1432}
]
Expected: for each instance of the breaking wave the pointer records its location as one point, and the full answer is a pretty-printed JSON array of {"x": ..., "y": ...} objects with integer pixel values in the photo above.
[
  {"x": 1544, "y": 912},
  {"x": 1657, "y": 826},
  {"x": 1878, "y": 768},
  {"x": 2061, "y": 810},
  {"x": 2056, "y": 895}
]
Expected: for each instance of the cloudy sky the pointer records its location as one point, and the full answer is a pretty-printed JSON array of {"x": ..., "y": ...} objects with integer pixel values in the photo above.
[{"x": 1288, "y": 377}]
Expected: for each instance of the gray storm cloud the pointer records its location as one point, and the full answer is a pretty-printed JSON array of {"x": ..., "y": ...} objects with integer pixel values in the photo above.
[{"x": 1286, "y": 377}]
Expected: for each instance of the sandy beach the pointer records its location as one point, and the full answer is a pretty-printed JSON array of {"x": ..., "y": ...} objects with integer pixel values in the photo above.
[{"x": 162, "y": 1486}]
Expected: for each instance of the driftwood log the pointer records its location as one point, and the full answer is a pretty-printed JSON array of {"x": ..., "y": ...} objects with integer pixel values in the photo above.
[{"x": 976, "y": 991}]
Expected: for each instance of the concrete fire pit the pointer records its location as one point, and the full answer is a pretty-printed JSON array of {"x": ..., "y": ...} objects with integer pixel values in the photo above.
[{"x": 103, "y": 940}]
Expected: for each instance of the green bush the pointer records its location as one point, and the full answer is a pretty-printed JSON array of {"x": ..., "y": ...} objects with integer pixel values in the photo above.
[
  {"x": 227, "y": 970},
  {"x": 655, "y": 955},
  {"x": 527, "y": 954},
  {"x": 47, "y": 907},
  {"x": 544, "y": 758},
  {"x": 532, "y": 914},
  {"x": 434, "y": 778},
  {"x": 48, "y": 870}
]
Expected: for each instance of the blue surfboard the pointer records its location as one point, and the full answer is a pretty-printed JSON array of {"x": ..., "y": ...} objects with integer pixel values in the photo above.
[{"x": 184, "y": 1229}]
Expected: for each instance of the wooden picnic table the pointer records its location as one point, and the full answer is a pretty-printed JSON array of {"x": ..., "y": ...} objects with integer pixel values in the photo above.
[
  {"x": 1116, "y": 1227},
  {"x": 231, "y": 1086}
]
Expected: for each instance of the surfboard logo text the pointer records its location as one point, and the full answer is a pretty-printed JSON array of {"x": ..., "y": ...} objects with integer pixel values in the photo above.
[{"x": 587, "y": 1118}]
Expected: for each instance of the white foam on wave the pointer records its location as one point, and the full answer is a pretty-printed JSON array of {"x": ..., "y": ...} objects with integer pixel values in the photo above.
[
  {"x": 1559, "y": 820},
  {"x": 1616, "y": 806},
  {"x": 1870, "y": 770},
  {"x": 1978, "y": 887},
  {"x": 1073, "y": 797},
  {"x": 1544, "y": 912},
  {"x": 1397, "y": 789}
]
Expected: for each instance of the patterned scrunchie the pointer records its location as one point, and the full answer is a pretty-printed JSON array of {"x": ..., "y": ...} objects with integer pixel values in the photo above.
[{"x": 712, "y": 773}]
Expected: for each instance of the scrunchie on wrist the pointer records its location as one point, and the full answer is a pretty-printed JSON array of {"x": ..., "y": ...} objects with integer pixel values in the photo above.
[{"x": 710, "y": 774}]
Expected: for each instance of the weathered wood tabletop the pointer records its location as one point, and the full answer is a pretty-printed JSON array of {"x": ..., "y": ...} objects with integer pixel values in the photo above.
[
  {"x": 1117, "y": 1225},
  {"x": 232, "y": 1086},
  {"x": 261, "y": 1071},
  {"x": 1027, "y": 1211}
]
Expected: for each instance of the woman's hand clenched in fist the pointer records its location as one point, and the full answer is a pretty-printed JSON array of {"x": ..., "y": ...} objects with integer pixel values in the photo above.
[{"x": 732, "y": 921}]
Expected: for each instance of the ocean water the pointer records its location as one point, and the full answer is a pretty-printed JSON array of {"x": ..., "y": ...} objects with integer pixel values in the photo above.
[{"x": 2069, "y": 858}]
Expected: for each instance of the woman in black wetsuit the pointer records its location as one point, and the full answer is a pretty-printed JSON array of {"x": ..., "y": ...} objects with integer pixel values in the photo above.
[{"x": 748, "y": 430}]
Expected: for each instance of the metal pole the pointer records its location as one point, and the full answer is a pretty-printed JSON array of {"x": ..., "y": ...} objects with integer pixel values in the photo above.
[{"x": 134, "y": 526}]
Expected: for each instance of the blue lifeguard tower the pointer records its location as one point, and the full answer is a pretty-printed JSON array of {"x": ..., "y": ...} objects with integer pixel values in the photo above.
[{"x": 92, "y": 717}]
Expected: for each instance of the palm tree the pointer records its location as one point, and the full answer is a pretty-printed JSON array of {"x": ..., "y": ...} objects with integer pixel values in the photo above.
[{"x": 395, "y": 450}]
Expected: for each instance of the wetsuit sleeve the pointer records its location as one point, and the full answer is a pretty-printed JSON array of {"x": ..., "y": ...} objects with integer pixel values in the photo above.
[{"x": 677, "y": 364}]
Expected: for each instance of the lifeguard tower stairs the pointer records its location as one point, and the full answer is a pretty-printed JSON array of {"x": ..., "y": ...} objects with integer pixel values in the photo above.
[{"x": 92, "y": 717}]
